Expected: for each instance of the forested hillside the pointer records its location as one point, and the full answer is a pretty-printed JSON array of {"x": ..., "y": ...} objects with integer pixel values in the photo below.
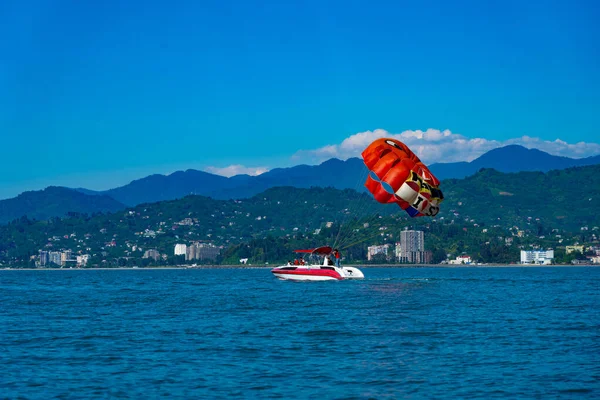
[{"x": 478, "y": 215}]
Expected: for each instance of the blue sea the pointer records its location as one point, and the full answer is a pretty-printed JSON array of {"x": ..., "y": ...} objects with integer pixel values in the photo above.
[{"x": 417, "y": 333}]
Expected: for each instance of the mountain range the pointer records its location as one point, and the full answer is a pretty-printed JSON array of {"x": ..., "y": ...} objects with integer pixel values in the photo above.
[
  {"x": 54, "y": 202},
  {"x": 349, "y": 174},
  {"x": 512, "y": 158}
]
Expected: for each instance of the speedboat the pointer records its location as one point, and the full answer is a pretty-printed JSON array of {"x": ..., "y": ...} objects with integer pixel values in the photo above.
[{"x": 317, "y": 271}]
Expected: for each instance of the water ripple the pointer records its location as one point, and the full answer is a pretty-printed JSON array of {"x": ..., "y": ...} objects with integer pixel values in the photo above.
[{"x": 478, "y": 333}]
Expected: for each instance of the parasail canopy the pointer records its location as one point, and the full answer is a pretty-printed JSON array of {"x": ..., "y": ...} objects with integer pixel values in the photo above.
[{"x": 398, "y": 176}]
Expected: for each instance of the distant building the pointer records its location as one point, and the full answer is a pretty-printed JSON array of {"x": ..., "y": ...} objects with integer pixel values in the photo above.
[
  {"x": 82, "y": 260},
  {"x": 464, "y": 259},
  {"x": 44, "y": 258},
  {"x": 65, "y": 257},
  {"x": 398, "y": 251},
  {"x": 190, "y": 253},
  {"x": 537, "y": 256},
  {"x": 572, "y": 249},
  {"x": 372, "y": 251},
  {"x": 180, "y": 249},
  {"x": 202, "y": 252},
  {"x": 152, "y": 253},
  {"x": 54, "y": 257},
  {"x": 412, "y": 241},
  {"x": 412, "y": 248},
  {"x": 418, "y": 257}
]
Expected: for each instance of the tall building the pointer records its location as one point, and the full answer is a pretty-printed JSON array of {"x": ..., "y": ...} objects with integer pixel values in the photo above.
[
  {"x": 180, "y": 249},
  {"x": 412, "y": 241},
  {"x": 190, "y": 253},
  {"x": 55, "y": 257},
  {"x": 412, "y": 248},
  {"x": 418, "y": 257},
  {"x": 202, "y": 252},
  {"x": 207, "y": 251},
  {"x": 44, "y": 258},
  {"x": 65, "y": 256}
]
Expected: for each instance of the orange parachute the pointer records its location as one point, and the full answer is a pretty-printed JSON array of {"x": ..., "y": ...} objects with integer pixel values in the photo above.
[{"x": 398, "y": 176}]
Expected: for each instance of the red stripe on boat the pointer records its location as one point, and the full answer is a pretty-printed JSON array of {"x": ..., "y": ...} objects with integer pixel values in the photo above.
[{"x": 309, "y": 272}]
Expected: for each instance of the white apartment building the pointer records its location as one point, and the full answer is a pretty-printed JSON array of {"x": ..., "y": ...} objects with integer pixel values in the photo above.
[
  {"x": 180, "y": 249},
  {"x": 83, "y": 259},
  {"x": 537, "y": 256}
]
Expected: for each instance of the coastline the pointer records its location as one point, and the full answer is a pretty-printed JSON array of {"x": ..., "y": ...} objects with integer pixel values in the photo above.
[{"x": 234, "y": 266}]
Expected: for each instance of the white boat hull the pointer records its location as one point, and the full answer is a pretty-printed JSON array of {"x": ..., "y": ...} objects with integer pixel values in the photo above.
[
  {"x": 288, "y": 277},
  {"x": 316, "y": 273},
  {"x": 352, "y": 273}
]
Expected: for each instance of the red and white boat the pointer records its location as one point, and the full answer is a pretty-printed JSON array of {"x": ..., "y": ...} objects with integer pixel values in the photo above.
[{"x": 317, "y": 271}]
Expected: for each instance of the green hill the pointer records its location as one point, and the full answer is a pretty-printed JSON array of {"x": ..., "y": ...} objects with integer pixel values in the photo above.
[
  {"x": 478, "y": 216},
  {"x": 562, "y": 199}
]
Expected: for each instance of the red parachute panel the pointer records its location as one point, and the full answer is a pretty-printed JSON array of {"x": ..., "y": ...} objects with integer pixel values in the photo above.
[{"x": 398, "y": 176}]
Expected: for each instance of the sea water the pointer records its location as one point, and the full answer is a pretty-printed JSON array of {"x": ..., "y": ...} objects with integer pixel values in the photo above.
[{"x": 417, "y": 333}]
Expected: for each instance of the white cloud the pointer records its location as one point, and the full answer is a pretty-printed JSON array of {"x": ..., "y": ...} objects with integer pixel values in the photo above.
[
  {"x": 433, "y": 145},
  {"x": 236, "y": 170}
]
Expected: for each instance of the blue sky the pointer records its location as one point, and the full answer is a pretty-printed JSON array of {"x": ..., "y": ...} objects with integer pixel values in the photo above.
[{"x": 95, "y": 94}]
